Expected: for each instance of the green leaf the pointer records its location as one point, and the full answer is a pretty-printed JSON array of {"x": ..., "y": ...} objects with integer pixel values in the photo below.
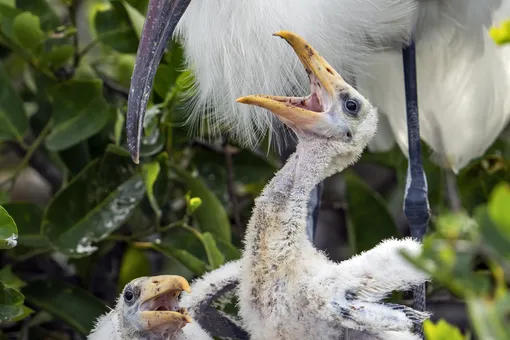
[
  {"x": 210, "y": 216},
  {"x": 499, "y": 207},
  {"x": 28, "y": 219},
  {"x": 197, "y": 266},
  {"x": 11, "y": 303},
  {"x": 214, "y": 256},
  {"x": 119, "y": 127},
  {"x": 9, "y": 279},
  {"x": 154, "y": 140},
  {"x": 442, "y": 330},
  {"x": 124, "y": 65},
  {"x": 139, "y": 5},
  {"x": 7, "y": 15},
  {"x": 229, "y": 250},
  {"x": 492, "y": 234},
  {"x": 117, "y": 150},
  {"x": 135, "y": 17},
  {"x": 166, "y": 80},
  {"x": 4, "y": 197},
  {"x": 48, "y": 17},
  {"x": 114, "y": 28},
  {"x": 8, "y": 230},
  {"x": 455, "y": 225},
  {"x": 25, "y": 312},
  {"x": 80, "y": 111},
  {"x": 450, "y": 266},
  {"x": 72, "y": 304},
  {"x": 488, "y": 317},
  {"x": 8, "y": 3},
  {"x": 369, "y": 220},
  {"x": 93, "y": 205},
  {"x": 150, "y": 173},
  {"x": 59, "y": 56},
  {"x": 27, "y": 31},
  {"x": 135, "y": 263},
  {"x": 13, "y": 118}
]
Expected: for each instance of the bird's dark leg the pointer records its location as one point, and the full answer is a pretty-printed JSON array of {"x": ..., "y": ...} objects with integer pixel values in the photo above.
[{"x": 416, "y": 204}]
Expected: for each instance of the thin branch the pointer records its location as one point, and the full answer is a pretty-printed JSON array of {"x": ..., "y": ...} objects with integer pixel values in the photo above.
[
  {"x": 98, "y": 39},
  {"x": 231, "y": 186},
  {"x": 72, "y": 18},
  {"x": 88, "y": 47},
  {"x": 113, "y": 86},
  {"x": 40, "y": 163},
  {"x": 204, "y": 145},
  {"x": 25, "y": 161},
  {"x": 146, "y": 233}
]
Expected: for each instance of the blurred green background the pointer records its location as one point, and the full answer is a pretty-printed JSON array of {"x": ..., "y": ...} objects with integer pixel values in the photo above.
[{"x": 88, "y": 220}]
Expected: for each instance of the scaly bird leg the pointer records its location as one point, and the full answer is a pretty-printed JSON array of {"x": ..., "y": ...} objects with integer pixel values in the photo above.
[{"x": 416, "y": 204}]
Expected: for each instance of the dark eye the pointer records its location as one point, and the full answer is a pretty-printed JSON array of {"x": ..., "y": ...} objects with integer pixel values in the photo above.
[
  {"x": 129, "y": 295},
  {"x": 351, "y": 106}
]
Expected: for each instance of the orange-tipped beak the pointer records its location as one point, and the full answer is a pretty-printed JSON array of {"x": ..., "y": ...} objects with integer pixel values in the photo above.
[
  {"x": 171, "y": 286},
  {"x": 313, "y": 62},
  {"x": 295, "y": 111},
  {"x": 290, "y": 114}
]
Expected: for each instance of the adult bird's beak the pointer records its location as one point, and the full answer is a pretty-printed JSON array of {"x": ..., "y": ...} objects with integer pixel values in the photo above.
[
  {"x": 162, "y": 17},
  {"x": 159, "y": 302},
  {"x": 325, "y": 83}
]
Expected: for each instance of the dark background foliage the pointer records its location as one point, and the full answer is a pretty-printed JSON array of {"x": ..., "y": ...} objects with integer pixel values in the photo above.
[{"x": 88, "y": 220}]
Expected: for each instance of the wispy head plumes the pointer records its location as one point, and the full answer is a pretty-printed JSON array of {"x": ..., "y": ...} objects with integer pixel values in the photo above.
[{"x": 230, "y": 47}]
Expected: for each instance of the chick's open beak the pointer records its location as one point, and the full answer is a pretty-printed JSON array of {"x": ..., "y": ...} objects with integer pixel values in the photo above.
[
  {"x": 159, "y": 302},
  {"x": 325, "y": 83}
]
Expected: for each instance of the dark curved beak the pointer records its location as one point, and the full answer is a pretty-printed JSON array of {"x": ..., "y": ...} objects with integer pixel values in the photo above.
[{"x": 162, "y": 17}]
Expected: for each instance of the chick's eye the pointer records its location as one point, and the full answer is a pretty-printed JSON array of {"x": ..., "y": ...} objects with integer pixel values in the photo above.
[
  {"x": 351, "y": 106},
  {"x": 129, "y": 295}
]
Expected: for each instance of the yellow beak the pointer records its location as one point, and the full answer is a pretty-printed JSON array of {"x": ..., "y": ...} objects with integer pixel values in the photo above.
[
  {"x": 157, "y": 286},
  {"x": 314, "y": 65}
]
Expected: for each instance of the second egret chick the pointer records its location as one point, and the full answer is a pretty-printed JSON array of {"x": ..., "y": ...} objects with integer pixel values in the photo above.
[{"x": 148, "y": 309}]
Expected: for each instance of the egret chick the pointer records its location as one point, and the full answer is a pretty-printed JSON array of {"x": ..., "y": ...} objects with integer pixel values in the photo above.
[
  {"x": 148, "y": 309},
  {"x": 288, "y": 289}
]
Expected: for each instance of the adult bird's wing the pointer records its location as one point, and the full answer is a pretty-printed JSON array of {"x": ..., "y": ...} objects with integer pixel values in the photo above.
[
  {"x": 463, "y": 79},
  {"x": 205, "y": 291}
]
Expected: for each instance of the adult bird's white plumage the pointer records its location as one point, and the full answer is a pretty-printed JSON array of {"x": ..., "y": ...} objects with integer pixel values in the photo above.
[
  {"x": 463, "y": 80},
  {"x": 463, "y": 77}
]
